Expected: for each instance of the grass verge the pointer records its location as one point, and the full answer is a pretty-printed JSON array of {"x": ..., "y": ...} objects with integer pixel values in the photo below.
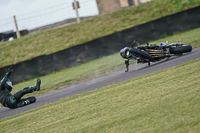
[
  {"x": 54, "y": 40},
  {"x": 164, "y": 101}
]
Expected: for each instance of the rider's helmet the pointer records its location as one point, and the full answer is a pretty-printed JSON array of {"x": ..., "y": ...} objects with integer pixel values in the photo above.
[
  {"x": 162, "y": 44},
  {"x": 123, "y": 53},
  {"x": 8, "y": 85}
]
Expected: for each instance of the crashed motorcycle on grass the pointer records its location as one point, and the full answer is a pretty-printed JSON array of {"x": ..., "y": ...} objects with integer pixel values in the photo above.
[{"x": 153, "y": 53}]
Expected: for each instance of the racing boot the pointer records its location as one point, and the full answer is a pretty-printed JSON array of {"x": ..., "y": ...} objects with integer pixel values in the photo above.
[
  {"x": 34, "y": 88},
  {"x": 24, "y": 102},
  {"x": 29, "y": 100},
  {"x": 38, "y": 84}
]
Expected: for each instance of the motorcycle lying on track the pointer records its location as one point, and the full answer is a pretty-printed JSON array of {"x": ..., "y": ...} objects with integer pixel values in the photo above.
[{"x": 152, "y": 53}]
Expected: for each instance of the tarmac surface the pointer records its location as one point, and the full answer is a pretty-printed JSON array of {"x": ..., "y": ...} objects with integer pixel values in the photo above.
[{"x": 120, "y": 76}]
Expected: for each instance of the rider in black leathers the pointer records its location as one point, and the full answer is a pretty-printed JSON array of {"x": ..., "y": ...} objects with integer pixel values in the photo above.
[{"x": 14, "y": 100}]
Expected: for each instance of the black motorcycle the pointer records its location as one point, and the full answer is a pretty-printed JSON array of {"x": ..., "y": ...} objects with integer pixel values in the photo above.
[{"x": 152, "y": 53}]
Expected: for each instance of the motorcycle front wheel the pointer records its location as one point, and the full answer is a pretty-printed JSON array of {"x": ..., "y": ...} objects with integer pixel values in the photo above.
[{"x": 141, "y": 53}]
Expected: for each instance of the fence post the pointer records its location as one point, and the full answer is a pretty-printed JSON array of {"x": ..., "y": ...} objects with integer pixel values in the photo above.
[
  {"x": 17, "y": 31},
  {"x": 75, "y": 4}
]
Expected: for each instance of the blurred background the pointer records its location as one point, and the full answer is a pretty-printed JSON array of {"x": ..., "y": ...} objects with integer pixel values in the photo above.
[{"x": 38, "y": 15}]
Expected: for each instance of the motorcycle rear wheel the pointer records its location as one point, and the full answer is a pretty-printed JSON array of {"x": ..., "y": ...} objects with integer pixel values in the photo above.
[{"x": 181, "y": 49}]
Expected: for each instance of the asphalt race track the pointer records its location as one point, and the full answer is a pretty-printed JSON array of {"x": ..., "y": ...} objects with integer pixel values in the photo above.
[{"x": 120, "y": 76}]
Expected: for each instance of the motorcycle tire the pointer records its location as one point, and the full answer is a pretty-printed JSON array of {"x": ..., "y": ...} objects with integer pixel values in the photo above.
[
  {"x": 181, "y": 49},
  {"x": 140, "y": 53}
]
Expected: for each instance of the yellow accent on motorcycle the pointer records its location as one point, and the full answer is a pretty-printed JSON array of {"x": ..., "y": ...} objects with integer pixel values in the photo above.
[{"x": 127, "y": 53}]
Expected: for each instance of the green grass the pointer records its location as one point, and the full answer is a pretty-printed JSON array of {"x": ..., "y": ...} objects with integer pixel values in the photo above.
[
  {"x": 54, "y": 40},
  {"x": 164, "y": 101}
]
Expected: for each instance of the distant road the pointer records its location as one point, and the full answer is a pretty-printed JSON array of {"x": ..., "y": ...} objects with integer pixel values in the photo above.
[{"x": 120, "y": 76}]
